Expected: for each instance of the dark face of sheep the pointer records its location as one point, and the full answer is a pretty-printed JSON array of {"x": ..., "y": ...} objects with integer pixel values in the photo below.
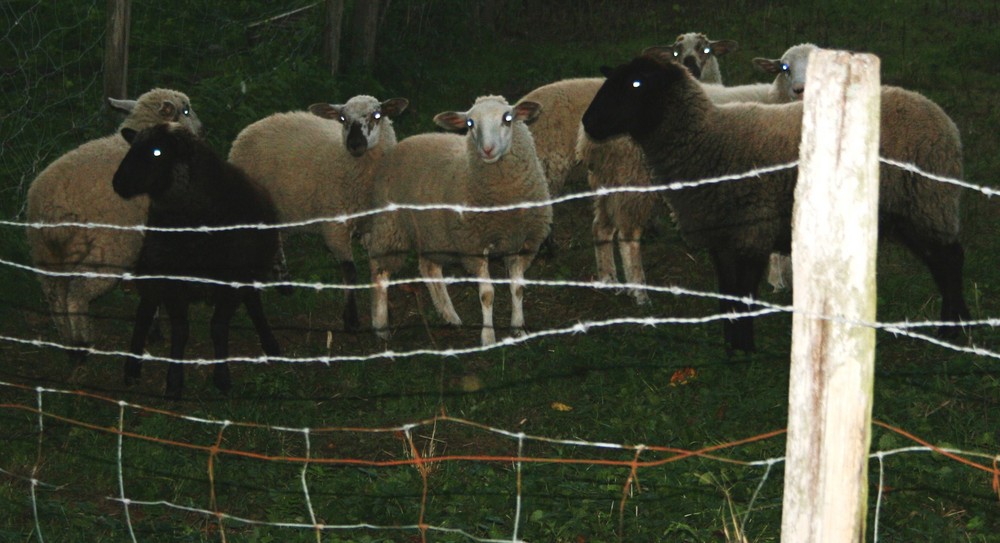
[
  {"x": 362, "y": 118},
  {"x": 631, "y": 101},
  {"x": 149, "y": 164}
]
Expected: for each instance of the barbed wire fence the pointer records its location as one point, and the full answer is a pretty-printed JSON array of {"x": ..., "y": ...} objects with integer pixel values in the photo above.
[{"x": 309, "y": 463}]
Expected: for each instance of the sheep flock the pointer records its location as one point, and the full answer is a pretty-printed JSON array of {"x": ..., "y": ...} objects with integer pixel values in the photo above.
[{"x": 336, "y": 169}]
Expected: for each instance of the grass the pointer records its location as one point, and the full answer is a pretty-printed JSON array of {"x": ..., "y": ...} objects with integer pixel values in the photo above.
[{"x": 610, "y": 385}]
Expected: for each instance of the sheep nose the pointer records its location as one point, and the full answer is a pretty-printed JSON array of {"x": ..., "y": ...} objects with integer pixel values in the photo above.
[
  {"x": 798, "y": 90},
  {"x": 488, "y": 151}
]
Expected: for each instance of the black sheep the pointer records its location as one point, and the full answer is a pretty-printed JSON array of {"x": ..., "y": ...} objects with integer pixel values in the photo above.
[{"x": 190, "y": 186}]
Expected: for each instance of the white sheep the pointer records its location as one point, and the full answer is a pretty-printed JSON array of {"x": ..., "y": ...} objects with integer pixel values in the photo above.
[
  {"x": 686, "y": 137},
  {"x": 494, "y": 164},
  {"x": 789, "y": 71},
  {"x": 76, "y": 187},
  {"x": 321, "y": 163},
  {"x": 620, "y": 162},
  {"x": 700, "y": 55}
]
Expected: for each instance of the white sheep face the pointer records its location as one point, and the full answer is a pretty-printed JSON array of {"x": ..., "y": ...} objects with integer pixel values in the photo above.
[
  {"x": 361, "y": 120},
  {"x": 490, "y": 124},
  {"x": 163, "y": 104},
  {"x": 792, "y": 67},
  {"x": 694, "y": 50}
]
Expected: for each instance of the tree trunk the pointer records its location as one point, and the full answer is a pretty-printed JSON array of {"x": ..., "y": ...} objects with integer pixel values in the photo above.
[
  {"x": 364, "y": 27},
  {"x": 332, "y": 34},
  {"x": 116, "y": 48}
]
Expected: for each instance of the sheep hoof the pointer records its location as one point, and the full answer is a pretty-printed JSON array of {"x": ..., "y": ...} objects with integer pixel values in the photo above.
[
  {"x": 77, "y": 356},
  {"x": 133, "y": 370},
  {"x": 173, "y": 392},
  {"x": 453, "y": 320},
  {"x": 518, "y": 332},
  {"x": 641, "y": 298},
  {"x": 221, "y": 379},
  {"x": 488, "y": 337}
]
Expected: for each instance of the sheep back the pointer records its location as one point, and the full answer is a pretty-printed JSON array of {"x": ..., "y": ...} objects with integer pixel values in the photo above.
[
  {"x": 916, "y": 130},
  {"x": 555, "y": 131}
]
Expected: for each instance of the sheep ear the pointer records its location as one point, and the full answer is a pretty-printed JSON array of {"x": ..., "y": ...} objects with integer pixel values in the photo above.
[
  {"x": 168, "y": 110},
  {"x": 722, "y": 47},
  {"x": 659, "y": 52},
  {"x": 125, "y": 106},
  {"x": 128, "y": 134},
  {"x": 327, "y": 111},
  {"x": 451, "y": 120},
  {"x": 770, "y": 66},
  {"x": 527, "y": 111},
  {"x": 394, "y": 106}
]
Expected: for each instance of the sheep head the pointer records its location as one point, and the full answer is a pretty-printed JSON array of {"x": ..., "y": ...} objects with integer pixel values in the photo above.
[
  {"x": 790, "y": 70},
  {"x": 490, "y": 123},
  {"x": 361, "y": 119},
  {"x": 154, "y": 152},
  {"x": 633, "y": 98},
  {"x": 693, "y": 50}
]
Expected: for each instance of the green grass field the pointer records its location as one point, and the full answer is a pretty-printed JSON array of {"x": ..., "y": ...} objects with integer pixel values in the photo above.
[{"x": 610, "y": 385}]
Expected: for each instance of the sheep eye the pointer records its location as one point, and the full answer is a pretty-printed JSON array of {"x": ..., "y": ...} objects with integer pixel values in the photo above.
[
  {"x": 636, "y": 84},
  {"x": 707, "y": 50},
  {"x": 157, "y": 152},
  {"x": 343, "y": 119},
  {"x": 784, "y": 67},
  {"x": 469, "y": 123},
  {"x": 677, "y": 53},
  {"x": 186, "y": 112},
  {"x": 507, "y": 118},
  {"x": 377, "y": 115}
]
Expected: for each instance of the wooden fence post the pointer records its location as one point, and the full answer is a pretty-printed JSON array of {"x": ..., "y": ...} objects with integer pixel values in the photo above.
[
  {"x": 116, "y": 48},
  {"x": 834, "y": 235}
]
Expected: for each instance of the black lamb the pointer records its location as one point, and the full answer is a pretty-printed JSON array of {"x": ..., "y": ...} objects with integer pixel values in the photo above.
[{"x": 190, "y": 186}]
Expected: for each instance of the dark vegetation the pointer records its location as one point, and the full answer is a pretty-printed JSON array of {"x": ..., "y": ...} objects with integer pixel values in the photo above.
[{"x": 619, "y": 381}]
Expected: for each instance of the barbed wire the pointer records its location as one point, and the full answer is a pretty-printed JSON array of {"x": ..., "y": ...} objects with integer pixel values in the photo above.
[{"x": 461, "y": 209}]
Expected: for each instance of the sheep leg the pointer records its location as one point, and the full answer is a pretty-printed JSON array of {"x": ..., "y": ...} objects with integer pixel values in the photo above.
[
  {"x": 604, "y": 248},
  {"x": 177, "y": 309},
  {"x": 380, "y": 303},
  {"x": 350, "y": 271},
  {"x": 738, "y": 276},
  {"x": 515, "y": 270},
  {"x": 439, "y": 291},
  {"x": 143, "y": 322},
  {"x": 488, "y": 335},
  {"x": 255, "y": 309},
  {"x": 945, "y": 262},
  {"x": 226, "y": 302},
  {"x": 628, "y": 246}
]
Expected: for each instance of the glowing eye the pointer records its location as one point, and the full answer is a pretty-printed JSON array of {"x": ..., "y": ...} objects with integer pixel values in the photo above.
[
  {"x": 343, "y": 119},
  {"x": 377, "y": 115},
  {"x": 508, "y": 118},
  {"x": 636, "y": 84},
  {"x": 785, "y": 67},
  {"x": 157, "y": 152},
  {"x": 187, "y": 112},
  {"x": 469, "y": 123},
  {"x": 707, "y": 50},
  {"x": 677, "y": 53}
]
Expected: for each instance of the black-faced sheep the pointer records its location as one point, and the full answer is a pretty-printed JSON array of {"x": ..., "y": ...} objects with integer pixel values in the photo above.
[
  {"x": 76, "y": 187},
  {"x": 321, "y": 164},
  {"x": 189, "y": 186},
  {"x": 494, "y": 164},
  {"x": 686, "y": 137}
]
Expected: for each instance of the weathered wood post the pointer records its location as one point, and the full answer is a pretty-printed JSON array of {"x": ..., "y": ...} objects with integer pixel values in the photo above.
[
  {"x": 834, "y": 234},
  {"x": 116, "y": 48}
]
